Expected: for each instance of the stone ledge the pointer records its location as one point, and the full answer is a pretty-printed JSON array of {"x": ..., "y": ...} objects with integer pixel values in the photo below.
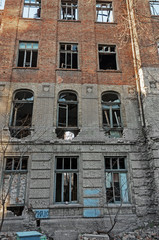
[{"x": 93, "y": 237}]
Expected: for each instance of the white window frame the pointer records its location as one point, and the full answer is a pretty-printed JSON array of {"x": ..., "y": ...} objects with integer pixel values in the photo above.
[
  {"x": 30, "y": 4},
  {"x": 154, "y": 7},
  {"x": 105, "y": 10}
]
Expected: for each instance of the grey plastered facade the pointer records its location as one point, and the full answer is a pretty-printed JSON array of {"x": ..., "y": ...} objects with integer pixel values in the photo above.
[{"x": 138, "y": 143}]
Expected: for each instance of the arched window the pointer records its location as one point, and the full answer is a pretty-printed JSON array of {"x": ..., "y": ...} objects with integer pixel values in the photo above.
[
  {"x": 111, "y": 112},
  {"x": 67, "y": 119},
  {"x": 21, "y": 117}
]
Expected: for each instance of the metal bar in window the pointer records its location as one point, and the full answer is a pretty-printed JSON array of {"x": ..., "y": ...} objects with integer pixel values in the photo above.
[{"x": 31, "y": 58}]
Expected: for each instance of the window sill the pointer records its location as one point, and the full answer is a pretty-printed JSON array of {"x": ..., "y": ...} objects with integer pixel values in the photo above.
[
  {"x": 118, "y": 205},
  {"x": 63, "y": 20},
  {"x": 68, "y": 69},
  {"x": 154, "y": 16},
  {"x": 27, "y": 68},
  {"x": 22, "y": 18},
  {"x": 69, "y": 205},
  {"x": 110, "y": 70},
  {"x": 107, "y": 23}
]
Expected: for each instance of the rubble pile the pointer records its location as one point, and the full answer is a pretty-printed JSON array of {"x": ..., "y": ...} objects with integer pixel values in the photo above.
[{"x": 147, "y": 233}]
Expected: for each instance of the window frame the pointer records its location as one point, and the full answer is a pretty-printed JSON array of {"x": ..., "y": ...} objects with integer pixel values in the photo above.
[
  {"x": 69, "y": 171},
  {"x": 19, "y": 172},
  {"x": 30, "y": 4},
  {"x": 107, "y": 9},
  {"x": 13, "y": 115},
  {"x": 109, "y": 52},
  {"x": 67, "y": 2},
  {"x": 25, "y": 52},
  {"x": 2, "y": 5},
  {"x": 67, "y": 52},
  {"x": 152, "y": 9},
  {"x": 118, "y": 171},
  {"x": 110, "y": 109}
]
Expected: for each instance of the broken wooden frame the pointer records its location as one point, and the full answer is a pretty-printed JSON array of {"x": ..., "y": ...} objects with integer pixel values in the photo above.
[
  {"x": 66, "y": 180},
  {"x": 21, "y": 113},
  {"x": 68, "y": 55},
  {"x": 107, "y": 57},
  {"x": 28, "y": 54},
  {"x": 69, "y": 10},
  {"x": 104, "y": 12},
  {"x": 32, "y": 9}
]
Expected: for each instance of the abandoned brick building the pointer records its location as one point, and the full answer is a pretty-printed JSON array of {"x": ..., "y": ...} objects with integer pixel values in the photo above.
[{"x": 79, "y": 115}]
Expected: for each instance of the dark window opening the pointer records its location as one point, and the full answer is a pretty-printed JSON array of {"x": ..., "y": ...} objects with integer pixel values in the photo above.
[
  {"x": 22, "y": 111},
  {"x": 17, "y": 210},
  {"x": 28, "y": 54},
  {"x": 38, "y": 222},
  {"x": 107, "y": 57},
  {"x": 66, "y": 179},
  {"x": 68, "y": 56}
]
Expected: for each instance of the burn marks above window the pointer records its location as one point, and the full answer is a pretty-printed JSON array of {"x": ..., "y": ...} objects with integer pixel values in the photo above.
[
  {"x": 111, "y": 114},
  {"x": 107, "y": 57},
  {"x": 154, "y": 7},
  {"x": 69, "y": 10},
  {"x": 21, "y": 116},
  {"x": 67, "y": 120},
  {"x": 28, "y": 54},
  {"x": 32, "y": 9},
  {"x": 104, "y": 12},
  {"x": 68, "y": 55}
]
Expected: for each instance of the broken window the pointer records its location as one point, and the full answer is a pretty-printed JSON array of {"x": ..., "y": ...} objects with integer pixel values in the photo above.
[
  {"x": 158, "y": 47},
  {"x": 15, "y": 179},
  {"x": 67, "y": 121},
  {"x": 116, "y": 180},
  {"x": 21, "y": 117},
  {"x": 111, "y": 113},
  {"x": 69, "y": 10},
  {"x": 107, "y": 57},
  {"x": 32, "y": 9},
  {"x": 2, "y": 4},
  {"x": 66, "y": 179},
  {"x": 68, "y": 55},
  {"x": 104, "y": 12},
  {"x": 154, "y": 6},
  {"x": 28, "y": 54}
]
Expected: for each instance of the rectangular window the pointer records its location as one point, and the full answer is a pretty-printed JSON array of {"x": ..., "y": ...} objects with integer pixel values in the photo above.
[
  {"x": 154, "y": 6},
  {"x": 32, "y": 9},
  {"x": 104, "y": 12},
  {"x": 28, "y": 54},
  {"x": 158, "y": 47},
  {"x": 69, "y": 10},
  {"x": 2, "y": 4},
  {"x": 107, "y": 57},
  {"x": 15, "y": 178},
  {"x": 66, "y": 179},
  {"x": 116, "y": 180},
  {"x": 68, "y": 56}
]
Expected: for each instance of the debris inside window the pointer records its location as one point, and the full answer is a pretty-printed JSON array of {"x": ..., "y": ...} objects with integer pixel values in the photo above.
[
  {"x": 67, "y": 122},
  {"x": 104, "y": 12},
  {"x": 107, "y": 57}
]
